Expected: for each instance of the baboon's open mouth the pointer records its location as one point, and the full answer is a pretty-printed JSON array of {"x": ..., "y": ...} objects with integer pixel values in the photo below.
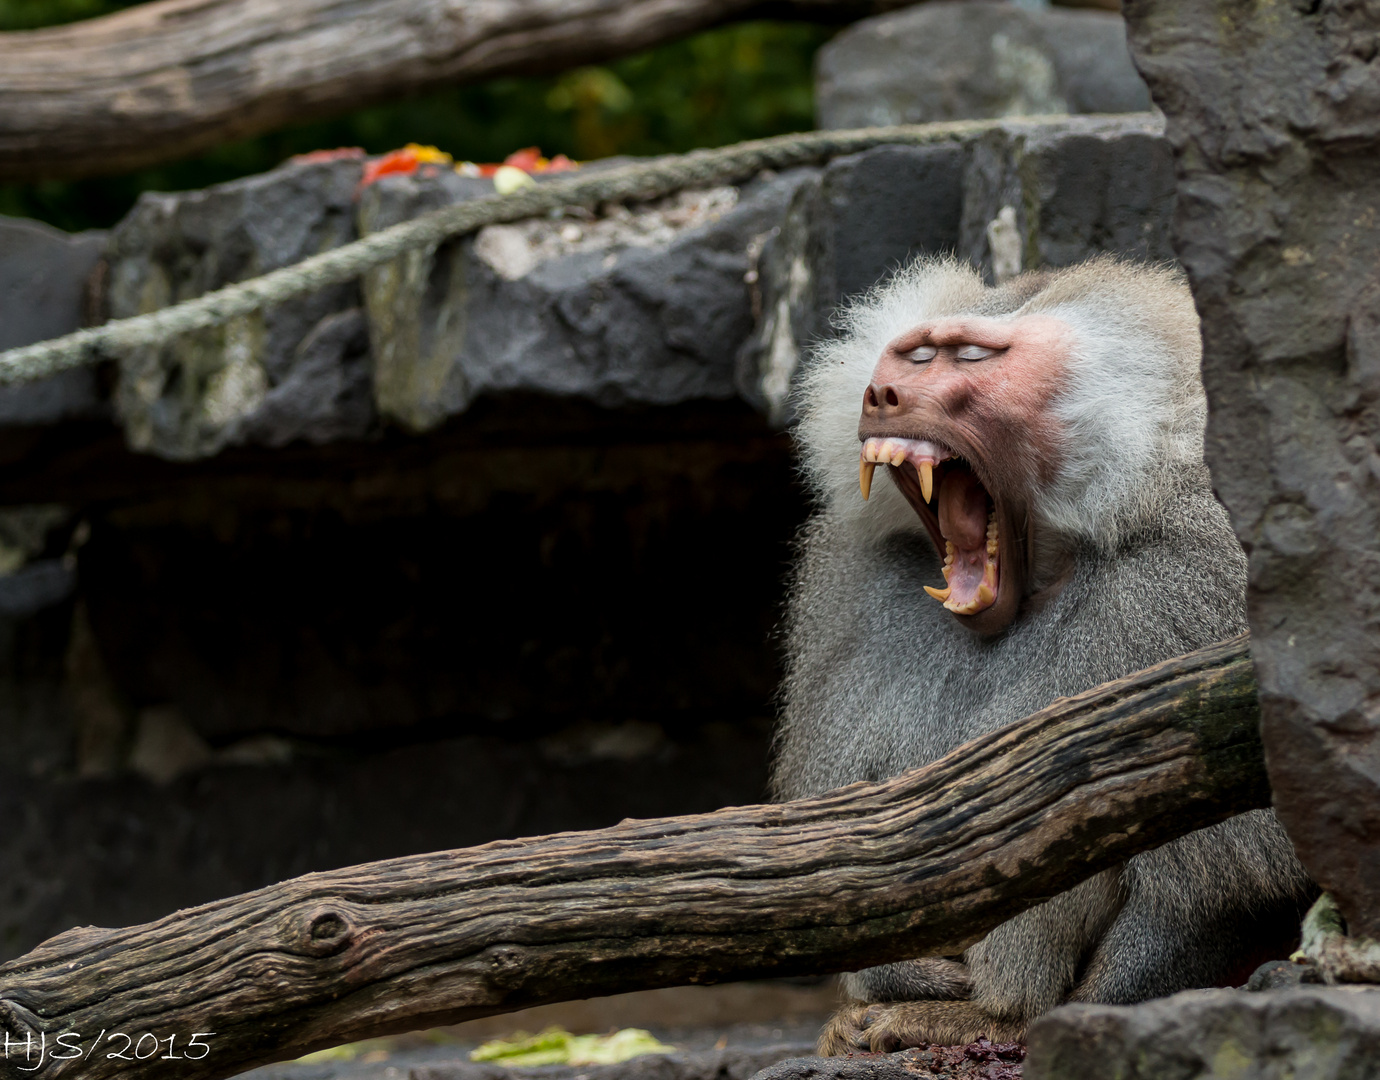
[{"x": 962, "y": 517}]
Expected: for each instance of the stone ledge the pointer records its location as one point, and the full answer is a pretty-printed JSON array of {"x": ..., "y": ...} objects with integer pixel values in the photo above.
[
  {"x": 706, "y": 295},
  {"x": 1309, "y": 1033}
]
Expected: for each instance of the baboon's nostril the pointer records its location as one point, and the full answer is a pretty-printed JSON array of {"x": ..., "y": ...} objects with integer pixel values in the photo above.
[
  {"x": 870, "y": 398},
  {"x": 891, "y": 398}
]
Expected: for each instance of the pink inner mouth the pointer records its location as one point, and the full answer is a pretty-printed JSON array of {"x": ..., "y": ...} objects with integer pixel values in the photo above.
[{"x": 963, "y": 515}]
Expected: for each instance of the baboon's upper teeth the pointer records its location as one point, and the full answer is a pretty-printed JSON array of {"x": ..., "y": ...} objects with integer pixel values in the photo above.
[
  {"x": 921, "y": 453},
  {"x": 865, "y": 470}
]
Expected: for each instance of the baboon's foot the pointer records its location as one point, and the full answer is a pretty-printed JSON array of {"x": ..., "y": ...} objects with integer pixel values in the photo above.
[{"x": 898, "y": 1025}]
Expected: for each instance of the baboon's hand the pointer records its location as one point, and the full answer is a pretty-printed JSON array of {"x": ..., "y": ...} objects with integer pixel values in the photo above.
[{"x": 898, "y": 1025}]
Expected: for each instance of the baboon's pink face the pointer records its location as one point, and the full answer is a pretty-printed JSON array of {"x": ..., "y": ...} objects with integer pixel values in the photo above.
[{"x": 960, "y": 412}]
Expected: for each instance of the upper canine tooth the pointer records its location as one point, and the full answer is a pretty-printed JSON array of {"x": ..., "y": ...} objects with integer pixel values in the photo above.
[
  {"x": 865, "y": 471},
  {"x": 938, "y": 594},
  {"x": 926, "y": 480}
]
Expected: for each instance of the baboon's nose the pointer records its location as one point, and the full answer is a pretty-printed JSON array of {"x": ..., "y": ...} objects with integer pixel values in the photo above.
[{"x": 882, "y": 400}]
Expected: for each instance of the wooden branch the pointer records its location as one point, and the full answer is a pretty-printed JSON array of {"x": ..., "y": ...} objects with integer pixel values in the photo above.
[
  {"x": 927, "y": 862},
  {"x": 164, "y": 79}
]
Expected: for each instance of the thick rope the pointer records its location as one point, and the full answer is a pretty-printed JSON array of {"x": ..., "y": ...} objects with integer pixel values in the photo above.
[{"x": 641, "y": 180}]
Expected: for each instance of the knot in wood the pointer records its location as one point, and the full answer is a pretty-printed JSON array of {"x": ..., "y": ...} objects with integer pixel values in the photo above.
[
  {"x": 328, "y": 926},
  {"x": 325, "y": 931},
  {"x": 507, "y": 965}
]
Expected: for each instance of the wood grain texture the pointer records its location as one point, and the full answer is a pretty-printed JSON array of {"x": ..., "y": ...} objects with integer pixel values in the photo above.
[
  {"x": 167, "y": 78},
  {"x": 926, "y": 862}
]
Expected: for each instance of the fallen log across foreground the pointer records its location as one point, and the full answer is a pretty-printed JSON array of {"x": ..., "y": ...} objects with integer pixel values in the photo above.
[{"x": 924, "y": 863}]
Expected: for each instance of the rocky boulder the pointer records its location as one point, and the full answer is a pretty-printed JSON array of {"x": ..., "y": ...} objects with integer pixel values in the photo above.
[
  {"x": 296, "y": 371},
  {"x": 967, "y": 60},
  {"x": 1321, "y": 1034},
  {"x": 1272, "y": 113},
  {"x": 616, "y": 305}
]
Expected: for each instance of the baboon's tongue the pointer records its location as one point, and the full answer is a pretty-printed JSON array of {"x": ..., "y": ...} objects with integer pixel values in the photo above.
[
  {"x": 963, "y": 510},
  {"x": 970, "y": 560}
]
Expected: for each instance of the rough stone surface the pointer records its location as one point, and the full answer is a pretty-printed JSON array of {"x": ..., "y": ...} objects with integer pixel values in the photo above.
[
  {"x": 982, "y": 1060},
  {"x": 227, "y": 385},
  {"x": 1274, "y": 116},
  {"x": 641, "y": 305},
  {"x": 44, "y": 278},
  {"x": 1302, "y": 1034},
  {"x": 1017, "y": 198},
  {"x": 1281, "y": 975},
  {"x": 967, "y": 60},
  {"x": 860, "y": 1067}
]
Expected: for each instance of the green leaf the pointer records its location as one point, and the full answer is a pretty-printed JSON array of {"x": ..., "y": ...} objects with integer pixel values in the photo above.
[{"x": 556, "y": 1046}]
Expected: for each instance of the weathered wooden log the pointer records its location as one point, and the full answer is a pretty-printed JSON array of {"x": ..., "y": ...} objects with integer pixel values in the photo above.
[
  {"x": 163, "y": 79},
  {"x": 927, "y": 862}
]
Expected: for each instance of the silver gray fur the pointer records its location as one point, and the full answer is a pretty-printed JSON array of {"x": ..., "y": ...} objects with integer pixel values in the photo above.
[{"x": 881, "y": 678}]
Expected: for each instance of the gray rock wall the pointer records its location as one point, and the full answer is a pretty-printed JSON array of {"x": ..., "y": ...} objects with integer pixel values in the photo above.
[
  {"x": 1272, "y": 113},
  {"x": 1309, "y": 1033},
  {"x": 967, "y": 59},
  {"x": 642, "y": 305},
  {"x": 618, "y": 306},
  {"x": 270, "y": 377}
]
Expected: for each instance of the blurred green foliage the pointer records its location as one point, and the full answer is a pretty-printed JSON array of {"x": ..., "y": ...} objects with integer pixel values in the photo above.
[
  {"x": 744, "y": 81},
  {"x": 30, "y": 14}
]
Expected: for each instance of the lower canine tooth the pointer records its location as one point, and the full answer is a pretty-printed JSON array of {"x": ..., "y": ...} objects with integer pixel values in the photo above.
[
  {"x": 985, "y": 595},
  {"x": 865, "y": 471},
  {"x": 938, "y": 594}
]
